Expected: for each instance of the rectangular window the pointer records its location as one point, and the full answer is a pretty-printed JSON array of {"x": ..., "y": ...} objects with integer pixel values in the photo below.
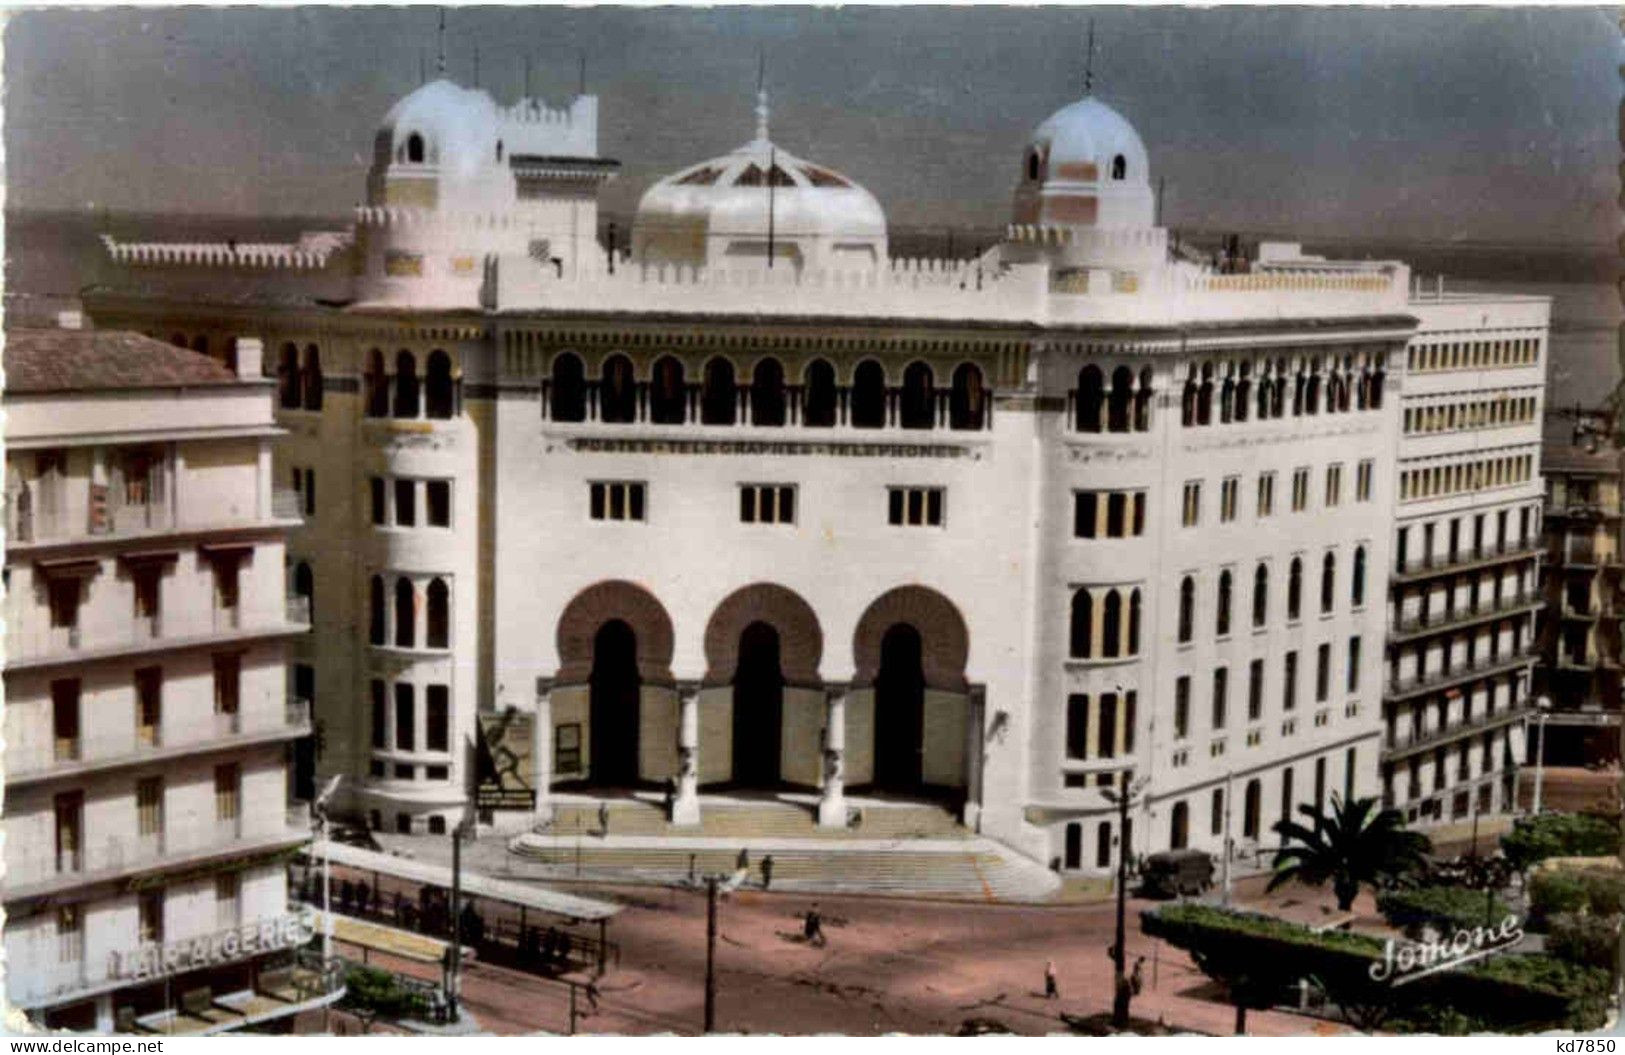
[
  {"x": 437, "y": 718},
  {"x": 402, "y": 771},
  {"x": 380, "y": 736},
  {"x": 1334, "y": 484},
  {"x": 150, "y": 918},
  {"x": 1320, "y": 783},
  {"x": 1191, "y": 514},
  {"x": 1116, "y": 514},
  {"x": 915, "y": 506},
  {"x": 1227, "y": 498},
  {"x": 70, "y": 933},
  {"x": 63, "y": 594},
  {"x": 767, "y": 504},
  {"x": 228, "y": 677},
  {"x": 375, "y": 489},
  {"x": 1107, "y": 745},
  {"x": 1085, "y": 511},
  {"x": 616, "y": 501},
  {"x": 227, "y": 790},
  {"x": 1354, "y": 664},
  {"x": 149, "y": 695},
  {"x": 1255, "y": 690},
  {"x": 1221, "y": 689},
  {"x": 1077, "y": 727},
  {"x": 310, "y": 492},
  {"x": 1182, "y": 707},
  {"x": 225, "y": 900},
  {"x": 1362, "y": 480},
  {"x": 70, "y": 809},
  {"x": 1323, "y": 672},
  {"x": 437, "y": 502},
  {"x": 405, "y": 726},
  {"x": 1349, "y": 760},
  {"x": 65, "y": 719},
  {"x": 1266, "y": 494},
  {"x": 226, "y": 582},
  {"x": 1300, "y": 489},
  {"x": 1289, "y": 685},
  {"x": 147, "y": 580},
  {"x": 406, "y": 503},
  {"x": 149, "y": 806}
]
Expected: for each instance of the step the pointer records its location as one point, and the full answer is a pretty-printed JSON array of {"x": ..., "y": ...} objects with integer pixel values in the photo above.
[{"x": 760, "y": 820}]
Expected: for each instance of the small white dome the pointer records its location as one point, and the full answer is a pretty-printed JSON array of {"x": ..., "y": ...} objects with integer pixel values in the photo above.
[
  {"x": 1085, "y": 166},
  {"x": 1088, "y": 132},
  {"x": 456, "y": 128}
]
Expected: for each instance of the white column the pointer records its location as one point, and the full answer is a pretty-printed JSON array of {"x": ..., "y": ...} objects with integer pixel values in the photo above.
[
  {"x": 541, "y": 751},
  {"x": 832, "y": 804},
  {"x": 263, "y": 482},
  {"x": 975, "y": 747},
  {"x": 685, "y": 806}
]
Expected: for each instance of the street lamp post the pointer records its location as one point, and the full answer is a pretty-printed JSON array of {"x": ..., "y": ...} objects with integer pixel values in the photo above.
[
  {"x": 318, "y": 811},
  {"x": 1542, "y": 705},
  {"x": 1122, "y": 799},
  {"x": 1229, "y": 779}
]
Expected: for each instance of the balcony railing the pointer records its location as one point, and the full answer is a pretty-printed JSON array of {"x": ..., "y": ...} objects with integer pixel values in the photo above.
[
  {"x": 1439, "y": 679},
  {"x": 30, "y": 760},
  {"x": 298, "y": 610},
  {"x": 134, "y": 519},
  {"x": 1435, "y": 564},
  {"x": 1410, "y": 741},
  {"x": 286, "y": 504},
  {"x": 46, "y": 643},
  {"x": 1443, "y": 619}
]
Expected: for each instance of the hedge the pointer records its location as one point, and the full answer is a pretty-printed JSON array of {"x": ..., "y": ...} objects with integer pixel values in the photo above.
[
  {"x": 1533, "y": 839},
  {"x": 1444, "y": 908},
  {"x": 1584, "y": 939},
  {"x": 1567, "y": 890}
]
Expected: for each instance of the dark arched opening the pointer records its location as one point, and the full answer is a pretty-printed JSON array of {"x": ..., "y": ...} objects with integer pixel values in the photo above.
[
  {"x": 612, "y": 709},
  {"x": 720, "y": 395},
  {"x": 868, "y": 396},
  {"x": 1082, "y": 629},
  {"x": 375, "y": 611},
  {"x": 758, "y": 711},
  {"x": 414, "y": 149},
  {"x": 919, "y": 403},
  {"x": 767, "y": 394},
  {"x": 818, "y": 397},
  {"x": 405, "y": 614},
  {"x": 1142, "y": 402},
  {"x": 1122, "y": 400},
  {"x": 899, "y": 710},
  {"x": 617, "y": 396},
  {"x": 966, "y": 404},
  {"x": 312, "y": 381},
  {"x": 569, "y": 390},
  {"x": 438, "y": 633},
  {"x": 1091, "y": 396},
  {"x": 440, "y": 395},
  {"x": 377, "y": 386},
  {"x": 406, "y": 385},
  {"x": 668, "y": 396},
  {"x": 287, "y": 376},
  {"x": 1179, "y": 827}
]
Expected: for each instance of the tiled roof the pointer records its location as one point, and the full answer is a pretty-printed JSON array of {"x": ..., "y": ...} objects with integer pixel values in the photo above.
[{"x": 61, "y": 360}]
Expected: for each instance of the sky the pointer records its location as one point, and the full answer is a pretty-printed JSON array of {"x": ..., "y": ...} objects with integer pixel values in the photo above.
[{"x": 1460, "y": 124}]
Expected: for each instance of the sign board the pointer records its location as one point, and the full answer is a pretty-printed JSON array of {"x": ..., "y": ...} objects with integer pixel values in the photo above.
[
  {"x": 503, "y": 762},
  {"x": 225, "y": 946}
]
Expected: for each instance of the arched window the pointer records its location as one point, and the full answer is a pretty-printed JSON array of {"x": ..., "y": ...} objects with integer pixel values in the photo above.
[
  {"x": 1278, "y": 396},
  {"x": 719, "y": 396},
  {"x": 1227, "y": 400},
  {"x": 405, "y": 614},
  {"x": 1252, "y": 805},
  {"x": 919, "y": 400},
  {"x": 312, "y": 381},
  {"x": 1187, "y": 608},
  {"x": 1121, "y": 403},
  {"x": 375, "y": 610},
  {"x": 1261, "y": 595},
  {"x": 818, "y": 397},
  {"x": 1134, "y": 623},
  {"x": 1091, "y": 396},
  {"x": 568, "y": 398},
  {"x": 1376, "y": 389},
  {"x": 1083, "y": 625},
  {"x": 1222, "y": 620},
  {"x": 767, "y": 394},
  {"x": 1312, "y": 402},
  {"x": 1111, "y": 626},
  {"x": 1204, "y": 397},
  {"x": 868, "y": 409},
  {"x": 377, "y": 386},
  {"x": 414, "y": 149},
  {"x": 1334, "y": 394},
  {"x": 1328, "y": 583},
  {"x": 1357, "y": 581},
  {"x": 1187, "y": 403},
  {"x": 439, "y": 389},
  {"x": 439, "y": 615},
  {"x": 1244, "y": 391},
  {"x": 1294, "y": 589},
  {"x": 406, "y": 385},
  {"x": 1032, "y": 166},
  {"x": 1362, "y": 394},
  {"x": 1142, "y": 402},
  {"x": 1103, "y": 844},
  {"x": 967, "y": 403},
  {"x": 304, "y": 585},
  {"x": 287, "y": 377},
  {"x": 1264, "y": 390},
  {"x": 617, "y": 393},
  {"x": 668, "y": 396},
  {"x": 1179, "y": 826},
  {"x": 1299, "y": 387},
  {"x": 1119, "y": 167}
]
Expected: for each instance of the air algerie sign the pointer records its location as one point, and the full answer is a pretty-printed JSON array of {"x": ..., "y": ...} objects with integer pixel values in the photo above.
[
  {"x": 225, "y": 946},
  {"x": 1415, "y": 960}
]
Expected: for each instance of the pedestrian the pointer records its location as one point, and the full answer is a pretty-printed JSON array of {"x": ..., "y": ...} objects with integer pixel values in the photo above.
[
  {"x": 1051, "y": 989},
  {"x": 592, "y": 995},
  {"x": 767, "y": 871},
  {"x": 603, "y": 818},
  {"x": 743, "y": 863},
  {"x": 671, "y": 794},
  {"x": 813, "y": 928},
  {"x": 1137, "y": 979},
  {"x": 693, "y": 861}
]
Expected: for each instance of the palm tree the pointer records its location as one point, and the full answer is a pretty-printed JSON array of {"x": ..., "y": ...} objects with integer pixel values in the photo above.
[{"x": 1357, "y": 843}]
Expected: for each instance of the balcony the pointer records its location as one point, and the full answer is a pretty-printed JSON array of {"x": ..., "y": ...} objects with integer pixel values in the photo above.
[
  {"x": 1407, "y": 742},
  {"x": 189, "y": 842},
  {"x": 1467, "y": 560},
  {"x": 1582, "y": 555},
  {"x": 287, "y": 504},
  {"x": 32, "y": 762},
  {"x": 34, "y": 647},
  {"x": 1434, "y": 621},
  {"x": 1403, "y": 688}
]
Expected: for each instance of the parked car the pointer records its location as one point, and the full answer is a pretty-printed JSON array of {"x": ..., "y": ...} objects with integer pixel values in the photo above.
[{"x": 1175, "y": 872}]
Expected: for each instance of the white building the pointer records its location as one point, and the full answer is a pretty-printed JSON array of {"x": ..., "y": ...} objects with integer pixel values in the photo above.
[
  {"x": 147, "y": 811},
  {"x": 758, "y": 506}
]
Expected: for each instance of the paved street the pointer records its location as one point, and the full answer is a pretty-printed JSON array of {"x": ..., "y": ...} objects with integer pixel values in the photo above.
[{"x": 890, "y": 965}]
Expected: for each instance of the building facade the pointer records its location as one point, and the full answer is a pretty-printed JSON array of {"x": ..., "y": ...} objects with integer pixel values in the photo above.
[
  {"x": 756, "y": 507},
  {"x": 147, "y": 725},
  {"x": 1464, "y": 583},
  {"x": 1579, "y": 672}
]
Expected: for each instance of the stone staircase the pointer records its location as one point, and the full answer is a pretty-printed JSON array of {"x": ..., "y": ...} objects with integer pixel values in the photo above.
[{"x": 760, "y": 819}]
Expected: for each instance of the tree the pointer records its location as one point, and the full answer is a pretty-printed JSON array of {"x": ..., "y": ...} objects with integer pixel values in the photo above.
[
  {"x": 371, "y": 994},
  {"x": 1356, "y": 844}
]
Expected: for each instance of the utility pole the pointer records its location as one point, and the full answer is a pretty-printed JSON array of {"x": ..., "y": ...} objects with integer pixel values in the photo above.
[
  {"x": 710, "y": 953},
  {"x": 1229, "y": 785},
  {"x": 454, "y": 977},
  {"x": 1123, "y": 798},
  {"x": 1542, "y": 704}
]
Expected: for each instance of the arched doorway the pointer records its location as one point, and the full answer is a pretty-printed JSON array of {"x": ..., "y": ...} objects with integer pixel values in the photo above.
[
  {"x": 899, "y": 710},
  {"x": 758, "y": 711},
  {"x": 613, "y": 706}
]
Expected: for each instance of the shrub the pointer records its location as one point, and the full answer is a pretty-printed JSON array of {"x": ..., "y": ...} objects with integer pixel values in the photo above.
[
  {"x": 1533, "y": 839},
  {"x": 1583, "y": 938},
  {"x": 1595, "y": 891},
  {"x": 372, "y": 993},
  {"x": 1444, "y": 908}
]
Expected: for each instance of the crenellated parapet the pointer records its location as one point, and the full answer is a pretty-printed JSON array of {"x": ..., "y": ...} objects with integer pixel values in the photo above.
[{"x": 312, "y": 252}]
